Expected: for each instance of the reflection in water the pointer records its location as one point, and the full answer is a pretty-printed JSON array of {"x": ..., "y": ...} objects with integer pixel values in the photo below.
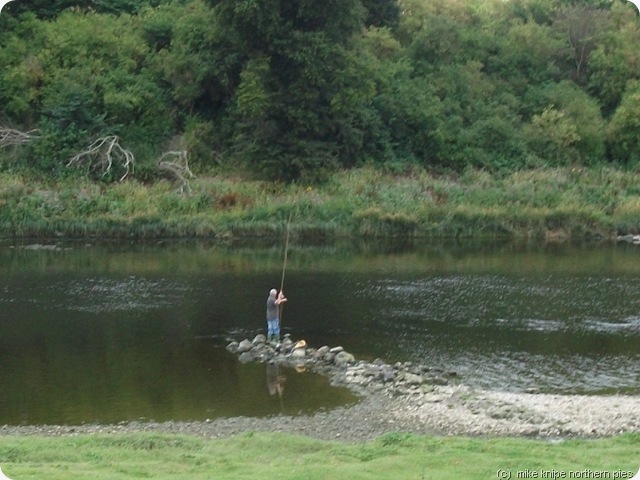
[{"x": 275, "y": 382}]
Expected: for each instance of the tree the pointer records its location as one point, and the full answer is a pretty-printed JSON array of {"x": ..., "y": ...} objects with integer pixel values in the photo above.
[
  {"x": 624, "y": 128},
  {"x": 80, "y": 77},
  {"x": 568, "y": 126},
  {"x": 583, "y": 27},
  {"x": 616, "y": 59},
  {"x": 47, "y": 9},
  {"x": 553, "y": 136},
  {"x": 289, "y": 56},
  {"x": 382, "y": 13}
]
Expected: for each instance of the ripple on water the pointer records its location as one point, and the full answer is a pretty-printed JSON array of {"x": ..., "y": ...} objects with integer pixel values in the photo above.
[
  {"x": 556, "y": 334},
  {"x": 132, "y": 293}
]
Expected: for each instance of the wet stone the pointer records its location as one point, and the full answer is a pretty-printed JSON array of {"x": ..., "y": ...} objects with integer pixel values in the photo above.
[
  {"x": 246, "y": 357},
  {"x": 363, "y": 377},
  {"x": 344, "y": 358},
  {"x": 299, "y": 353},
  {"x": 322, "y": 351},
  {"x": 244, "y": 346}
]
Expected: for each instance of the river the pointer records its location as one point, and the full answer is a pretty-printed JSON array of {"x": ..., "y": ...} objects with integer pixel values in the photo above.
[{"x": 114, "y": 332}]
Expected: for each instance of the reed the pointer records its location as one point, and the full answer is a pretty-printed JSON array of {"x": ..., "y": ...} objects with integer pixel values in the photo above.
[{"x": 359, "y": 202}]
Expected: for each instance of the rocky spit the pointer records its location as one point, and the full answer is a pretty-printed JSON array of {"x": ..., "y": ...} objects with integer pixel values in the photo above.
[{"x": 400, "y": 397}]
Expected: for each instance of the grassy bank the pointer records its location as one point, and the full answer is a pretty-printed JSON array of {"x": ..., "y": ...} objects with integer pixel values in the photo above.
[
  {"x": 290, "y": 457},
  {"x": 563, "y": 203}
]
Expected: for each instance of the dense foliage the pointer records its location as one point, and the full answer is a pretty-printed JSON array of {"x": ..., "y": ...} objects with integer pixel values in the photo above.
[{"x": 297, "y": 88}]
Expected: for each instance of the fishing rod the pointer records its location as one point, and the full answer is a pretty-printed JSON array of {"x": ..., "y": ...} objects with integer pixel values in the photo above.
[{"x": 284, "y": 265}]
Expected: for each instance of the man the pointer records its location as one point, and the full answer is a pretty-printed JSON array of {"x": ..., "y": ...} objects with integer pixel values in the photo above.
[{"x": 273, "y": 315}]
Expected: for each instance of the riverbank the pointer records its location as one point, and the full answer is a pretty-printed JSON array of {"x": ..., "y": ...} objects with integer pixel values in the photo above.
[
  {"x": 442, "y": 411},
  {"x": 556, "y": 204},
  {"x": 398, "y": 398},
  {"x": 408, "y": 429}
]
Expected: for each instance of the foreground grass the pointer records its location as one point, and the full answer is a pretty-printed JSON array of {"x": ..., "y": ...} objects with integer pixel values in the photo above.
[
  {"x": 271, "y": 456},
  {"x": 566, "y": 202}
]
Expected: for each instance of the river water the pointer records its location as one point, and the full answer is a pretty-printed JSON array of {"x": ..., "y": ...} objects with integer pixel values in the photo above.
[{"x": 112, "y": 332}]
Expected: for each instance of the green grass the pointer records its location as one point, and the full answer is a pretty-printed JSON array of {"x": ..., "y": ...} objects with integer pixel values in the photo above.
[
  {"x": 278, "y": 456},
  {"x": 363, "y": 202}
]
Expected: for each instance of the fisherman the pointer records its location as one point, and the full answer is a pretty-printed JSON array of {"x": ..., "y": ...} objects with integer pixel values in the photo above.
[{"x": 273, "y": 314}]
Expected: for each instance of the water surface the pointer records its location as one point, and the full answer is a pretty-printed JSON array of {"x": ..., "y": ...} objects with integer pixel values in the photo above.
[{"x": 106, "y": 333}]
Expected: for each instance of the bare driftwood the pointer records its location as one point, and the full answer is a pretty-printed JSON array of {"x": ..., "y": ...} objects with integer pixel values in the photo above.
[
  {"x": 178, "y": 167},
  {"x": 12, "y": 137},
  {"x": 103, "y": 154}
]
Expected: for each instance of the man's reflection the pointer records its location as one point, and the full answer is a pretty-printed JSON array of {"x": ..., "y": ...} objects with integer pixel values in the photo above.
[{"x": 275, "y": 380}]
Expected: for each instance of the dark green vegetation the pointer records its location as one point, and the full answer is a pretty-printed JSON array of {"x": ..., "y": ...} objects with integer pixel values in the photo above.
[
  {"x": 297, "y": 89},
  {"x": 482, "y": 116},
  {"x": 290, "y": 457}
]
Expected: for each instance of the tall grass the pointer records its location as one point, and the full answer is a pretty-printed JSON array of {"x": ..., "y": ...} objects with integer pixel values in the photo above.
[{"x": 362, "y": 202}]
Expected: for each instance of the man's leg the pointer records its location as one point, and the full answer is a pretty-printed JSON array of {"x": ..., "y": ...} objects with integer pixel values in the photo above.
[{"x": 273, "y": 330}]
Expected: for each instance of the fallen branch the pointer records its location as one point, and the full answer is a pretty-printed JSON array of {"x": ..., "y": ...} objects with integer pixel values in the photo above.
[
  {"x": 12, "y": 137},
  {"x": 101, "y": 156},
  {"x": 179, "y": 168}
]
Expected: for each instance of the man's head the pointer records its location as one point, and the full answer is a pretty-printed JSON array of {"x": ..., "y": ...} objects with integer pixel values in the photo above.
[{"x": 273, "y": 292}]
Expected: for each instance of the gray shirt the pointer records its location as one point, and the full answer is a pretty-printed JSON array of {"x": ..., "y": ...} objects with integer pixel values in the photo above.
[{"x": 272, "y": 308}]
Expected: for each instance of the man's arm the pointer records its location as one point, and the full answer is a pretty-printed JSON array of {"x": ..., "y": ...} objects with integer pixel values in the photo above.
[{"x": 281, "y": 298}]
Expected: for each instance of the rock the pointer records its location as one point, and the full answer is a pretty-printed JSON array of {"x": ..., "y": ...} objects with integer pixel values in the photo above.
[
  {"x": 244, "y": 346},
  {"x": 300, "y": 344},
  {"x": 388, "y": 374},
  {"x": 439, "y": 381},
  {"x": 245, "y": 357},
  {"x": 343, "y": 358},
  {"x": 397, "y": 380},
  {"x": 298, "y": 353},
  {"x": 371, "y": 371},
  {"x": 321, "y": 352},
  {"x": 412, "y": 379}
]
